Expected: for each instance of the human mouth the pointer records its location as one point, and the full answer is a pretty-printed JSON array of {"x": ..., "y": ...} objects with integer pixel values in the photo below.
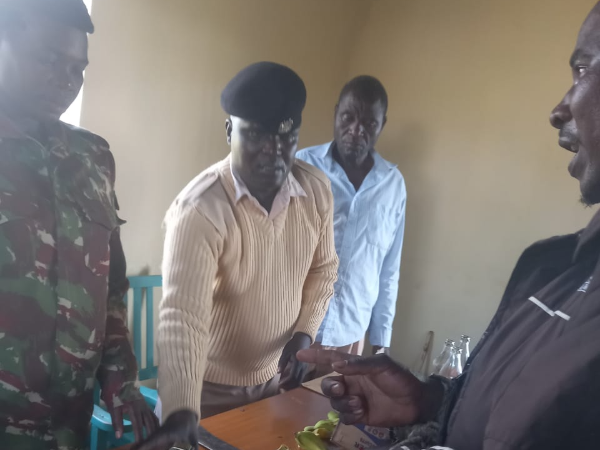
[
  {"x": 58, "y": 106},
  {"x": 268, "y": 169},
  {"x": 354, "y": 146},
  {"x": 573, "y": 166},
  {"x": 568, "y": 141}
]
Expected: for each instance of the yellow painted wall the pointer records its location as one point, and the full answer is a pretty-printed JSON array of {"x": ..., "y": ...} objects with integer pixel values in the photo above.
[
  {"x": 471, "y": 86},
  {"x": 156, "y": 74}
]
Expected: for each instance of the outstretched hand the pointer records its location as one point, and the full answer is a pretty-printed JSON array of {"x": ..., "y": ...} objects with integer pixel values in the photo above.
[
  {"x": 291, "y": 369},
  {"x": 140, "y": 415},
  {"x": 376, "y": 390}
]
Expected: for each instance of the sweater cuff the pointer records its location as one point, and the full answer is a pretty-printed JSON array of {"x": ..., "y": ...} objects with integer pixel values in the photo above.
[
  {"x": 180, "y": 394},
  {"x": 309, "y": 328}
]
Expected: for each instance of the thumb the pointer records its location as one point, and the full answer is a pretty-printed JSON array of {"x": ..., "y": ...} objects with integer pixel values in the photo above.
[
  {"x": 193, "y": 439},
  {"x": 117, "y": 421},
  {"x": 283, "y": 362}
]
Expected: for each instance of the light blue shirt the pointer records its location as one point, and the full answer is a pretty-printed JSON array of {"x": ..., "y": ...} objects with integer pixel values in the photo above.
[{"x": 368, "y": 231}]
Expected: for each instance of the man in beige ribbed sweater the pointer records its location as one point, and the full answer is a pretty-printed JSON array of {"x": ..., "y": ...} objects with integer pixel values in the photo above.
[{"x": 249, "y": 262}]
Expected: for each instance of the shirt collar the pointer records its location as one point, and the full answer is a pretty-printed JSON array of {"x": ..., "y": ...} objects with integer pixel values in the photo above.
[
  {"x": 292, "y": 185},
  {"x": 325, "y": 150},
  {"x": 380, "y": 166},
  {"x": 9, "y": 130},
  {"x": 589, "y": 238}
]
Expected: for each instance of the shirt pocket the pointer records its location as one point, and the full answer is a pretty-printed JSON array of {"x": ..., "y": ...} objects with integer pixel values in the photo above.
[
  {"x": 17, "y": 232},
  {"x": 89, "y": 213},
  {"x": 96, "y": 229},
  {"x": 383, "y": 222}
]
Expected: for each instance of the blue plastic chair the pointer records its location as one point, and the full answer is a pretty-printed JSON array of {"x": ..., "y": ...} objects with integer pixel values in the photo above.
[{"x": 102, "y": 435}]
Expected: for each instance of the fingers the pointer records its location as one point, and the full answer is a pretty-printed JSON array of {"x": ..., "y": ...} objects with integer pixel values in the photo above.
[
  {"x": 293, "y": 375},
  {"x": 150, "y": 422},
  {"x": 348, "y": 405},
  {"x": 141, "y": 418},
  {"x": 286, "y": 382},
  {"x": 333, "y": 387},
  {"x": 303, "y": 372},
  {"x": 193, "y": 439},
  {"x": 117, "y": 421},
  {"x": 363, "y": 366},
  {"x": 351, "y": 407},
  {"x": 298, "y": 371},
  {"x": 352, "y": 418},
  {"x": 283, "y": 361},
  {"x": 322, "y": 357},
  {"x": 179, "y": 426},
  {"x": 308, "y": 355},
  {"x": 137, "y": 423}
]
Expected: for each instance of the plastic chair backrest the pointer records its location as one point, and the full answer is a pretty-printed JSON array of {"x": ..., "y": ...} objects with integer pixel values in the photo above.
[{"x": 143, "y": 288}]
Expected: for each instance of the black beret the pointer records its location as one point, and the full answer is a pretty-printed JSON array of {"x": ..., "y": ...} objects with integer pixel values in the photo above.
[
  {"x": 267, "y": 93},
  {"x": 73, "y": 13}
]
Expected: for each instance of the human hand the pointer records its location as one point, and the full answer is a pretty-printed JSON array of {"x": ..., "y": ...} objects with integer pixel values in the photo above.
[
  {"x": 376, "y": 390},
  {"x": 140, "y": 415},
  {"x": 293, "y": 371},
  {"x": 181, "y": 426}
]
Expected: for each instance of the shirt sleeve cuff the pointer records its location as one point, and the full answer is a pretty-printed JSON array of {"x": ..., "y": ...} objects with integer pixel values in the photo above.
[
  {"x": 178, "y": 395},
  {"x": 381, "y": 337}
]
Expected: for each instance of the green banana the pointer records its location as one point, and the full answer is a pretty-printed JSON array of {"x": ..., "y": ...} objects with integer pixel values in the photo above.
[
  {"x": 323, "y": 433},
  {"x": 309, "y": 441},
  {"x": 327, "y": 424},
  {"x": 311, "y": 429},
  {"x": 334, "y": 416}
]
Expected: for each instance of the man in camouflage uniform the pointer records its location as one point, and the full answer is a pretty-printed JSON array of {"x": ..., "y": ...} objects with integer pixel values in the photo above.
[{"x": 62, "y": 268}]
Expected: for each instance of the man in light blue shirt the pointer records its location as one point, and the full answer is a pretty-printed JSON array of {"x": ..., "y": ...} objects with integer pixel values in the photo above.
[{"x": 370, "y": 199}]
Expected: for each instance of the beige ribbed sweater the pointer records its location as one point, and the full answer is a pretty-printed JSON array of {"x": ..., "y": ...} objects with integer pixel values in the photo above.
[{"x": 238, "y": 285}]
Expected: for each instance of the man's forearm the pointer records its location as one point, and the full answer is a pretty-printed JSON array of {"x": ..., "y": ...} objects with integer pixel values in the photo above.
[
  {"x": 318, "y": 286},
  {"x": 118, "y": 368},
  {"x": 189, "y": 272},
  {"x": 318, "y": 289}
]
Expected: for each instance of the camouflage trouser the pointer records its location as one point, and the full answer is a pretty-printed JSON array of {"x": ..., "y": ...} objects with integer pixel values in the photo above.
[
  {"x": 42, "y": 441},
  {"x": 46, "y": 442},
  {"x": 40, "y": 435},
  {"x": 15, "y": 439}
]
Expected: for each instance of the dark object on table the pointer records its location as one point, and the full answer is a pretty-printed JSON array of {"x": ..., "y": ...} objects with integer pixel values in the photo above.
[{"x": 211, "y": 442}]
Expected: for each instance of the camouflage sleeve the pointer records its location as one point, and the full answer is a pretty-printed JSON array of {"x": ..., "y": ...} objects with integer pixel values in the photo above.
[{"x": 118, "y": 369}]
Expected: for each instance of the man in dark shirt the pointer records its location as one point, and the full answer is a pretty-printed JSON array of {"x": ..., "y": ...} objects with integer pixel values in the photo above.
[{"x": 533, "y": 380}]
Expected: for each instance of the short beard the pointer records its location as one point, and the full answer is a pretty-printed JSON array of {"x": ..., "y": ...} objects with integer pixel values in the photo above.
[{"x": 587, "y": 203}]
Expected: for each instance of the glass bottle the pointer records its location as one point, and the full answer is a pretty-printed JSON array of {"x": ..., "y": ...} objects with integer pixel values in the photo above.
[
  {"x": 453, "y": 367},
  {"x": 441, "y": 359},
  {"x": 464, "y": 346}
]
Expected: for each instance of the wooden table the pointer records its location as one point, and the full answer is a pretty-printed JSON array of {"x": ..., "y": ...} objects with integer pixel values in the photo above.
[{"x": 269, "y": 423}]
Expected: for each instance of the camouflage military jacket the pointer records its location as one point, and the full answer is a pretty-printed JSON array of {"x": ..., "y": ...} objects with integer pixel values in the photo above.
[{"x": 62, "y": 281}]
